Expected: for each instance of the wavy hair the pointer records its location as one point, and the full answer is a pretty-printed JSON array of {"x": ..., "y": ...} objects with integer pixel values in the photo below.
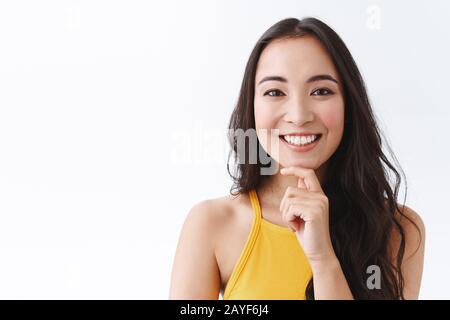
[{"x": 362, "y": 203}]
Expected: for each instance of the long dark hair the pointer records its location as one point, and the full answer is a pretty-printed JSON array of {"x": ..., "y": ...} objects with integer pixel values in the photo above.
[{"x": 362, "y": 203}]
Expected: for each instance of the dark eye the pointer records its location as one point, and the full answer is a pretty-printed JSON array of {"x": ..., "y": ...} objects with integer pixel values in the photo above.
[
  {"x": 274, "y": 93},
  {"x": 322, "y": 92}
]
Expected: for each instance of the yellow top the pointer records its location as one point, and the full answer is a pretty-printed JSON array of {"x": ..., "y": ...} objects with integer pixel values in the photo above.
[{"x": 272, "y": 265}]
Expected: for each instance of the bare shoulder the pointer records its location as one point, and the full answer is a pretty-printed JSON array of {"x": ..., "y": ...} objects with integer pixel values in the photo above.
[
  {"x": 413, "y": 227},
  {"x": 413, "y": 259},
  {"x": 216, "y": 218},
  {"x": 411, "y": 215},
  {"x": 213, "y": 214},
  {"x": 196, "y": 254}
]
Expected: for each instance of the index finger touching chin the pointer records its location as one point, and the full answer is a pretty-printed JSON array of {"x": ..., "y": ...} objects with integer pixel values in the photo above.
[{"x": 309, "y": 177}]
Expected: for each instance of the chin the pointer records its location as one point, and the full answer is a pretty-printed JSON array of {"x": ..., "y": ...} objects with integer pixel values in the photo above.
[{"x": 304, "y": 163}]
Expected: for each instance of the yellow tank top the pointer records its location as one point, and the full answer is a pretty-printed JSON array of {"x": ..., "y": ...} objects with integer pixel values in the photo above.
[{"x": 272, "y": 264}]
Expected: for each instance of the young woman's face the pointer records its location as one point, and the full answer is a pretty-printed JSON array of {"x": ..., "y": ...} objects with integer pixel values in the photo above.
[{"x": 298, "y": 91}]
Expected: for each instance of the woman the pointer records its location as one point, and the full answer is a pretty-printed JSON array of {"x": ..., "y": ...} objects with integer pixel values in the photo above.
[{"x": 325, "y": 222}]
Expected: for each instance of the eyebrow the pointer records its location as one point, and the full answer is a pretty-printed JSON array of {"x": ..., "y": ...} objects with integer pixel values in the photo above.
[{"x": 317, "y": 77}]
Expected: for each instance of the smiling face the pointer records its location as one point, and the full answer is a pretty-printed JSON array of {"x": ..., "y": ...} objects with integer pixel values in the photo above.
[{"x": 298, "y": 92}]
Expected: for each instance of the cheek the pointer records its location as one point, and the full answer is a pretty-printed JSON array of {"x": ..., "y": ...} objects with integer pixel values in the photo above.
[
  {"x": 333, "y": 120},
  {"x": 265, "y": 120},
  {"x": 264, "y": 117}
]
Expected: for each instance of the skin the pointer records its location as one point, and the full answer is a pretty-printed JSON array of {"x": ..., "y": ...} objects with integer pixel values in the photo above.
[
  {"x": 297, "y": 105},
  {"x": 215, "y": 230}
]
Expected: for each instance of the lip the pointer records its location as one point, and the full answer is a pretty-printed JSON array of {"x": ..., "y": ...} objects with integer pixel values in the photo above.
[
  {"x": 301, "y": 148},
  {"x": 301, "y": 134}
]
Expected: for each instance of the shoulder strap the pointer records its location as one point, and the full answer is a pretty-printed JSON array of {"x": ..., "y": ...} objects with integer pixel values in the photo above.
[{"x": 255, "y": 205}]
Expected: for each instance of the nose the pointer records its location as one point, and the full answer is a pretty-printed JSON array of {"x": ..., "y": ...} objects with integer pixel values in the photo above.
[{"x": 298, "y": 112}]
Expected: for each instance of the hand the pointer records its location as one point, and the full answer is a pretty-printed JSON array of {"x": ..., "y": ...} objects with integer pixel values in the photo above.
[{"x": 305, "y": 210}]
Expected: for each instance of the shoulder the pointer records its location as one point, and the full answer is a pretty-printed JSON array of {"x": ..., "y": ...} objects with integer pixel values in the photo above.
[
  {"x": 210, "y": 211},
  {"x": 195, "y": 258},
  {"x": 414, "y": 249},
  {"x": 411, "y": 216},
  {"x": 209, "y": 217},
  {"x": 413, "y": 228}
]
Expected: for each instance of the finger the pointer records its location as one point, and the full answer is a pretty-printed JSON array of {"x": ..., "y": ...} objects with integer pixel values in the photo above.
[
  {"x": 295, "y": 225},
  {"x": 298, "y": 193},
  {"x": 292, "y": 225},
  {"x": 308, "y": 175},
  {"x": 301, "y": 184},
  {"x": 294, "y": 216},
  {"x": 285, "y": 199},
  {"x": 285, "y": 203},
  {"x": 295, "y": 195}
]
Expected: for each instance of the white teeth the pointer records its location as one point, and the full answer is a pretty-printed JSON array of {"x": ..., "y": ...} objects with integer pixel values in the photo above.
[{"x": 300, "y": 140}]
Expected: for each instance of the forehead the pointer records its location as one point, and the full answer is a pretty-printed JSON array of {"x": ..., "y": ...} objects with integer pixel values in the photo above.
[{"x": 295, "y": 58}]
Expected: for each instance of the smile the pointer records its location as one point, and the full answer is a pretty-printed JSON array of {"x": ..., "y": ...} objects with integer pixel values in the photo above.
[{"x": 301, "y": 143}]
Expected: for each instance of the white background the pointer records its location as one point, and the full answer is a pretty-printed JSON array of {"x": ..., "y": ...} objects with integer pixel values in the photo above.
[{"x": 94, "y": 96}]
